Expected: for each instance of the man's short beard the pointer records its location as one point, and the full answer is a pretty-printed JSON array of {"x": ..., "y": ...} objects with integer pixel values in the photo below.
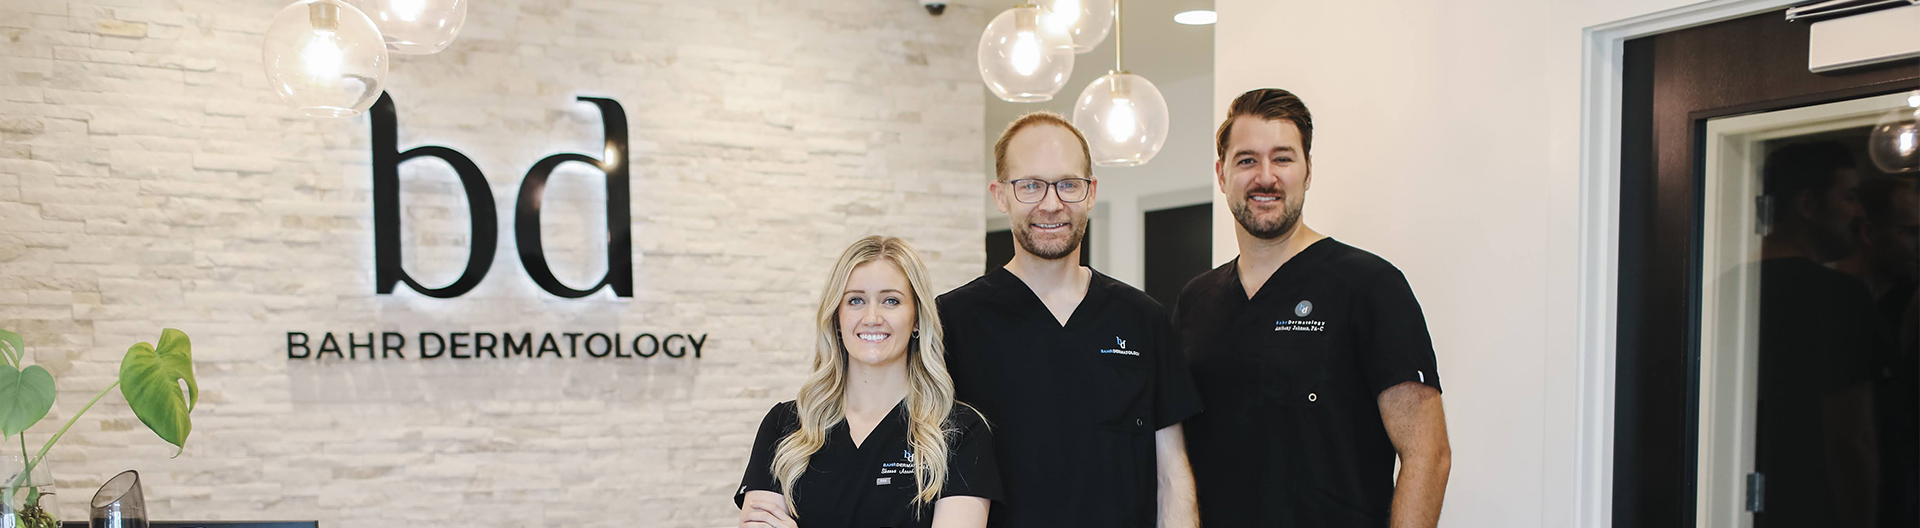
[
  {"x": 1023, "y": 234},
  {"x": 1267, "y": 230}
]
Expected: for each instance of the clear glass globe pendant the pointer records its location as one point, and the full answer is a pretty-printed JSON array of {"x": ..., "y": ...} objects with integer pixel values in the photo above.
[
  {"x": 1124, "y": 118},
  {"x": 325, "y": 58},
  {"x": 1084, "y": 22},
  {"x": 1123, "y": 115},
  {"x": 1894, "y": 143},
  {"x": 1020, "y": 60},
  {"x": 417, "y": 27}
]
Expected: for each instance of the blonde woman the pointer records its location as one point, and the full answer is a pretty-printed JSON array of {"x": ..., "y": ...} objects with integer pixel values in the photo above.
[{"x": 875, "y": 438}]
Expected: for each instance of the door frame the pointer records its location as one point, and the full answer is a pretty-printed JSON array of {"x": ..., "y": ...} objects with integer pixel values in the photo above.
[
  {"x": 1729, "y": 353},
  {"x": 1602, "y": 65}
]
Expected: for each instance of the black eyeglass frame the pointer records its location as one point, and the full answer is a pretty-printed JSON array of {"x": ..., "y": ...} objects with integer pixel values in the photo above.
[{"x": 1053, "y": 187}]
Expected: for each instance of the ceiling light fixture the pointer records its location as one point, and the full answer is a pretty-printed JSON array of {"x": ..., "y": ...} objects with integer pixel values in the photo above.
[
  {"x": 1021, "y": 60},
  {"x": 1084, "y": 22},
  {"x": 1894, "y": 143},
  {"x": 1123, "y": 115},
  {"x": 417, "y": 27},
  {"x": 325, "y": 58},
  {"x": 1196, "y": 18}
]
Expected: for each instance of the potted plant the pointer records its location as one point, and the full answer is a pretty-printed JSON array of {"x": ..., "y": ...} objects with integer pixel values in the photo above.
[{"x": 151, "y": 379}]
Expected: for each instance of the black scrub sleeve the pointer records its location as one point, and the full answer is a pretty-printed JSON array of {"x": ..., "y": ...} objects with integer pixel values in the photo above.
[
  {"x": 1395, "y": 346},
  {"x": 781, "y": 421},
  {"x": 1175, "y": 398},
  {"x": 972, "y": 470}
]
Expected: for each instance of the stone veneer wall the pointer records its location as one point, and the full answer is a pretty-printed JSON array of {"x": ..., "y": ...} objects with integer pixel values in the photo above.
[{"x": 149, "y": 179}]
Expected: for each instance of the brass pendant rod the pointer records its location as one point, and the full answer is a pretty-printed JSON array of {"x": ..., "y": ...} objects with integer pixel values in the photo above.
[{"x": 1118, "y": 43}]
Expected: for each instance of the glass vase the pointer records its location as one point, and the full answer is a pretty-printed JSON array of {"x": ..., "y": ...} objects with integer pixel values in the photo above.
[
  {"x": 120, "y": 503},
  {"x": 29, "y": 502}
]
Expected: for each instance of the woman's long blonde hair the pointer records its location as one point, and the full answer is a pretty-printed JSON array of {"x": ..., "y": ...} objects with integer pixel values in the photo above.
[{"x": 929, "y": 388}]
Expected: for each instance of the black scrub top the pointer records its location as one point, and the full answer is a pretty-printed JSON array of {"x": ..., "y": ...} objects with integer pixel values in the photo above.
[
  {"x": 1074, "y": 407},
  {"x": 1818, "y": 337},
  {"x": 1292, "y": 435},
  {"x": 871, "y": 486}
]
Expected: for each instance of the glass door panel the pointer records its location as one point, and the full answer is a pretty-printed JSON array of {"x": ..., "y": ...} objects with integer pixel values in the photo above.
[{"x": 1808, "y": 341}]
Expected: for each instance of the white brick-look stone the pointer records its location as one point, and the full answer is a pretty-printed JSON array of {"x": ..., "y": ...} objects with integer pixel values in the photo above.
[{"x": 150, "y": 179}]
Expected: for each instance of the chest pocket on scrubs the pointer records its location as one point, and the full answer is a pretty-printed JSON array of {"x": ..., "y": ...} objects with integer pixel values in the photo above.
[
  {"x": 1119, "y": 392},
  {"x": 899, "y": 489},
  {"x": 1293, "y": 368}
]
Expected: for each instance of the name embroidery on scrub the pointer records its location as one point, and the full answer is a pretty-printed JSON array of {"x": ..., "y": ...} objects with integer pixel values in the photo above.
[
  {"x": 1297, "y": 325},
  {"x": 1120, "y": 348},
  {"x": 898, "y": 467}
]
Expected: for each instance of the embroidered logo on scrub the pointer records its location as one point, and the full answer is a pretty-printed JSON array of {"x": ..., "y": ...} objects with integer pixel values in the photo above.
[
  {"x": 1305, "y": 308},
  {"x": 1120, "y": 347},
  {"x": 899, "y": 467}
]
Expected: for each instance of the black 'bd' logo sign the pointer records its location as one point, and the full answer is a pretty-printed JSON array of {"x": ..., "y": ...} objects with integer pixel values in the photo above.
[{"x": 526, "y": 224}]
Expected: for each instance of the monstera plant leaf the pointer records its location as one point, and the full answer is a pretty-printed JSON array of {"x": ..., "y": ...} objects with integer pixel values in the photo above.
[
  {"x": 151, "y": 377},
  {"x": 25, "y": 397},
  {"x": 12, "y": 348}
]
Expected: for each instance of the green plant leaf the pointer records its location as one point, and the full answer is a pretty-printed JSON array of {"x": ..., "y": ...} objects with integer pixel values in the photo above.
[
  {"x": 12, "y": 347},
  {"x": 150, "y": 378},
  {"x": 25, "y": 397}
]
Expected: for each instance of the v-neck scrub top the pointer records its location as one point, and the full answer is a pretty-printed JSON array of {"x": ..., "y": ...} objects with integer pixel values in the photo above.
[
  {"x": 871, "y": 485},
  {"x": 1074, "y": 407},
  {"x": 1292, "y": 435}
]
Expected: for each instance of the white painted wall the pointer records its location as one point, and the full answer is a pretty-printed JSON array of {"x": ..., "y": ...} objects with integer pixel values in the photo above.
[
  {"x": 1179, "y": 61},
  {"x": 1447, "y": 140}
]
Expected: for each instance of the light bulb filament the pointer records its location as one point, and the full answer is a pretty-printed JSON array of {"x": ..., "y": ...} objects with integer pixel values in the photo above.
[
  {"x": 1025, "y": 54},
  {"x": 409, "y": 10},
  {"x": 322, "y": 55},
  {"x": 1120, "y": 120}
]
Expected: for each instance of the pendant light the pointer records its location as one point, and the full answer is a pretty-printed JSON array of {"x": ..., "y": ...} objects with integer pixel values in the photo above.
[
  {"x": 1021, "y": 60},
  {"x": 1084, "y": 22},
  {"x": 1894, "y": 144},
  {"x": 325, "y": 58},
  {"x": 416, "y": 27},
  {"x": 1123, "y": 115}
]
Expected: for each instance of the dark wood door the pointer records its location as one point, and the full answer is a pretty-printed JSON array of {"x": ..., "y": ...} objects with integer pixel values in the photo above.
[
  {"x": 1673, "y": 83},
  {"x": 1179, "y": 247}
]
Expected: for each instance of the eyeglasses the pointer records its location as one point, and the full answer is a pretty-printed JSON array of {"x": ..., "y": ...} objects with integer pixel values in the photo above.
[{"x": 1032, "y": 190}]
